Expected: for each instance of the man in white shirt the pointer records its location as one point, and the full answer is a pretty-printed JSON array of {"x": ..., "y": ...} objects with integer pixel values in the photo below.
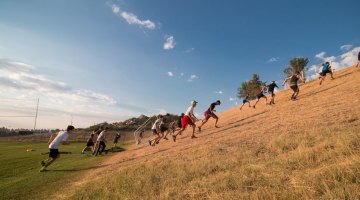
[
  {"x": 188, "y": 119},
  {"x": 101, "y": 141},
  {"x": 156, "y": 131},
  {"x": 54, "y": 142}
]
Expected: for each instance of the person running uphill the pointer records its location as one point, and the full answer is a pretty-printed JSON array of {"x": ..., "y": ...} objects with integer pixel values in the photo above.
[
  {"x": 210, "y": 112},
  {"x": 188, "y": 119},
  {"x": 326, "y": 68},
  {"x": 101, "y": 141},
  {"x": 246, "y": 100},
  {"x": 358, "y": 60},
  {"x": 156, "y": 131},
  {"x": 294, "y": 83},
  {"x": 61, "y": 138},
  {"x": 89, "y": 143},
  {"x": 271, "y": 89},
  {"x": 261, "y": 95}
]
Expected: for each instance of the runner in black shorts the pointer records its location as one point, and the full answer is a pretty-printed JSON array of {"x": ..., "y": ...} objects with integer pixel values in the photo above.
[
  {"x": 294, "y": 83},
  {"x": 89, "y": 143},
  {"x": 261, "y": 94},
  {"x": 246, "y": 100},
  {"x": 271, "y": 89},
  {"x": 326, "y": 69}
]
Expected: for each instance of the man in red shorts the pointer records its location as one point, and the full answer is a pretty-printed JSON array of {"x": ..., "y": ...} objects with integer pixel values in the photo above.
[
  {"x": 210, "y": 112},
  {"x": 188, "y": 119}
]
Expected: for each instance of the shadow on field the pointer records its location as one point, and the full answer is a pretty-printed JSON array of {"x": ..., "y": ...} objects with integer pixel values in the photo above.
[
  {"x": 81, "y": 169},
  {"x": 317, "y": 92}
]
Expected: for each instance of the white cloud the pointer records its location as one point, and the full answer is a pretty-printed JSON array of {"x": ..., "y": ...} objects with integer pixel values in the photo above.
[
  {"x": 169, "y": 43},
  {"x": 170, "y": 74},
  {"x": 344, "y": 60},
  {"x": 273, "y": 59},
  {"x": 320, "y": 55},
  {"x": 346, "y": 47},
  {"x": 219, "y": 92},
  {"x": 192, "y": 78},
  {"x": 189, "y": 50},
  {"x": 232, "y": 99},
  {"x": 57, "y": 99},
  {"x": 132, "y": 19}
]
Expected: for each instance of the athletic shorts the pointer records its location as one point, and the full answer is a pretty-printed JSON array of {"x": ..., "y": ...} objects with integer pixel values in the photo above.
[
  {"x": 116, "y": 140},
  {"x": 272, "y": 93},
  {"x": 54, "y": 153},
  {"x": 102, "y": 143},
  {"x": 208, "y": 115},
  {"x": 186, "y": 120},
  {"x": 295, "y": 88},
  {"x": 90, "y": 144},
  {"x": 245, "y": 101},
  {"x": 163, "y": 128},
  {"x": 260, "y": 95},
  {"x": 324, "y": 72}
]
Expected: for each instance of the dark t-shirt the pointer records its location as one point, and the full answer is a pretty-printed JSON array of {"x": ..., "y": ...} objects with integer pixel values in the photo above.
[
  {"x": 272, "y": 86},
  {"x": 212, "y": 107},
  {"x": 294, "y": 79},
  {"x": 359, "y": 56},
  {"x": 98, "y": 132},
  {"x": 179, "y": 120}
]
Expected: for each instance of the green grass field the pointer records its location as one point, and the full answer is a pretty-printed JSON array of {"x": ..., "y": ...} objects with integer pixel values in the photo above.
[{"x": 19, "y": 170}]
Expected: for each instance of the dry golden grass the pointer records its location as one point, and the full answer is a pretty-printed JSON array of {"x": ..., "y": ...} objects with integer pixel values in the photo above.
[{"x": 307, "y": 149}]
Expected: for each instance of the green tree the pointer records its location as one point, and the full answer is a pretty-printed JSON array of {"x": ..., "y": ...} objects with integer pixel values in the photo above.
[
  {"x": 250, "y": 88},
  {"x": 296, "y": 64}
]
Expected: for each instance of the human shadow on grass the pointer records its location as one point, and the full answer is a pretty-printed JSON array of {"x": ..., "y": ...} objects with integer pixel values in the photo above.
[
  {"x": 320, "y": 91},
  {"x": 80, "y": 169}
]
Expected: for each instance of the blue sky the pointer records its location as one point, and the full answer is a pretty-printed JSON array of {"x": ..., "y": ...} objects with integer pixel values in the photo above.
[{"x": 110, "y": 60}]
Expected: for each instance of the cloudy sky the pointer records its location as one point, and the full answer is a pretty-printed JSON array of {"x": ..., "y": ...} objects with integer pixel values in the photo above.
[{"x": 110, "y": 60}]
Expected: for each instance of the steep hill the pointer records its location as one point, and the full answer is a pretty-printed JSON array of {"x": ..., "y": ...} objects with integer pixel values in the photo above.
[{"x": 305, "y": 149}]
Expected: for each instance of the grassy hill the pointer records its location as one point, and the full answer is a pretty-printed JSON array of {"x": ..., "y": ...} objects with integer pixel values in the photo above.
[{"x": 305, "y": 149}]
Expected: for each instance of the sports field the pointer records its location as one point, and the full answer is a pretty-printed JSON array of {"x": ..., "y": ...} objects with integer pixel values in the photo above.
[{"x": 19, "y": 169}]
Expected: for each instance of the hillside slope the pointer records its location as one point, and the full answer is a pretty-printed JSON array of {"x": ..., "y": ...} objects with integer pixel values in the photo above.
[{"x": 307, "y": 149}]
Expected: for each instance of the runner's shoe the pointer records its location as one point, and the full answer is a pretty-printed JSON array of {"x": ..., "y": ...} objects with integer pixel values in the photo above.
[
  {"x": 174, "y": 138},
  {"x": 193, "y": 137}
]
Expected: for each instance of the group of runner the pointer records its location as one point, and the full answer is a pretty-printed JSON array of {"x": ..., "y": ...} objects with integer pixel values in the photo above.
[{"x": 161, "y": 128}]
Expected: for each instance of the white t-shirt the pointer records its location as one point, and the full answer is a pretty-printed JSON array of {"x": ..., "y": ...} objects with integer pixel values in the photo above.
[
  {"x": 61, "y": 137},
  {"x": 189, "y": 111},
  {"x": 101, "y": 136},
  {"x": 156, "y": 124}
]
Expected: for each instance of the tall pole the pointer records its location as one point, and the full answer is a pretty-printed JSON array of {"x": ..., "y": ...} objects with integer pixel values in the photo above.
[{"x": 36, "y": 115}]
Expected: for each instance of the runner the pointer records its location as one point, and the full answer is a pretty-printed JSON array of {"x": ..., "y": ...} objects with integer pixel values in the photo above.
[
  {"x": 358, "y": 59},
  {"x": 261, "y": 94},
  {"x": 210, "y": 112},
  {"x": 89, "y": 143},
  {"x": 294, "y": 83},
  {"x": 156, "y": 131},
  {"x": 61, "y": 138},
  {"x": 271, "y": 89},
  {"x": 101, "y": 141},
  {"x": 176, "y": 124},
  {"x": 164, "y": 127},
  {"x": 188, "y": 119},
  {"x": 246, "y": 100},
  {"x": 326, "y": 68},
  {"x": 116, "y": 139},
  {"x": 97, "y": 143}
]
